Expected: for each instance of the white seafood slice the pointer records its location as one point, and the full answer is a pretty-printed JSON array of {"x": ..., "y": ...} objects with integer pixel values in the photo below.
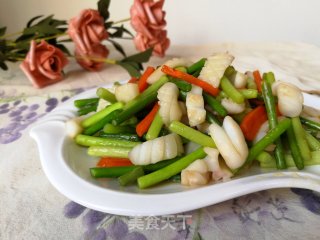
[
  {"x": 126, "y": 92},
  {"x": 169, "y": 105},
  {"x": 214, "y": 68},
  {"x": 230, "y": 142},
  {"x": 156, "y": 150},
  {"x": 195, "y": 106}
]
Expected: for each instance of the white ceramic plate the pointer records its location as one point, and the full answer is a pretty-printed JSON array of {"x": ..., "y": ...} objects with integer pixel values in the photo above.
[{"x": 67, "y": 168}]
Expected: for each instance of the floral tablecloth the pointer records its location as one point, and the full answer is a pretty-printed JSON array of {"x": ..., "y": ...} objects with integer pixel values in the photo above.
[{"x": 30, "y": 208}]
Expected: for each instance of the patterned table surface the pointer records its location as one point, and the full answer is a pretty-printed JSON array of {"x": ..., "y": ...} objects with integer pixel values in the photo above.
[{"x": 30, "y": 208}]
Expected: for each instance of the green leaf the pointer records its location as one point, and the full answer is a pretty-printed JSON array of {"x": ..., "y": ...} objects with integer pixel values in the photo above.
[
  {"x": 56, "y": 23},
  {"x": 25, "y": 45},
  {"x": 24, "y": 37},
  {"x": 136, "y": 65},
  {"x": 2, "y": 57},
  {"x": 118, "y": 47},
  {"x": 29, "y": 24},
  {"x": 103, "y": 8},
  {"x": 108, "y": 24},
  {"x": 130, "y": 68},
  {"x": 2, "y": 45},
  {"x": 41, "y": 29},
  {"x": 3, "y": 66},
  {"x": 45, "y": 21},
  {"x": 128, "y": 32},
  {"x": 133, "y": 64},
  {"x": 139, "y": 57},
  {"x": 49, "y": 20},
  {"x": 3, "y": 31},
  {"x": 46, "y": 27},
  {"x": 118, "y": 33}
]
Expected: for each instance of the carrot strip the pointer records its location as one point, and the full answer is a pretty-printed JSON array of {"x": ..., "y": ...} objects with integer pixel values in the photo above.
[
  {"x": 258, "y": 80},
  {"x": 190, "y": 79},
  {"x": 114, "y": 162},
  {"x": 143, "y": 126},
  {"x": 142, "y": 84},
  {"x": 252, "y": 122},
  {"x": 133, "y": 80}
]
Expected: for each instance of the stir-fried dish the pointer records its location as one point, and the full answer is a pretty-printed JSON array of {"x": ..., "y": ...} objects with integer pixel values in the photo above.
[{"x": 196, "y": 123}]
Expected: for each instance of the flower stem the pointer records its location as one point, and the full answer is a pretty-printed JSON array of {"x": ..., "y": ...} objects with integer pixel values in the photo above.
[
  {"x": 125, "y": 38},
  {"x": 11, "y": 34},
  {"x": 121, "y": 21},
  {"x": 10, "y": 43},
  {"x": 52, "y": 37},
  {"x": 16, "y": 58},
  {"x": 105, "y": 60}
]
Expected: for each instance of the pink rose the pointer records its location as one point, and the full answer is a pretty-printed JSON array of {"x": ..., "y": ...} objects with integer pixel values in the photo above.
[
  {"x": 160, "y": 43},
  {"x": 92, "y": 60},
  {"x": 43, "y": 64},
  {"x": 87, "y": 29},
  {"x": 147, "y": 18}
]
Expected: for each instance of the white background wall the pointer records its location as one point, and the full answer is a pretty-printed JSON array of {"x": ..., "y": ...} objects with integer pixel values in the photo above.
[{"x": 196, "y": 21}]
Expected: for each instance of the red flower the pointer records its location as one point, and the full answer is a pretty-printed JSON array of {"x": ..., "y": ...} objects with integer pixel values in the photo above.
[
  {"x": 147, "y": 18},
  {"x": 160, "y": 43},
  {"x": 43, "y": 64},
  {"x": 87, "y": 31}
]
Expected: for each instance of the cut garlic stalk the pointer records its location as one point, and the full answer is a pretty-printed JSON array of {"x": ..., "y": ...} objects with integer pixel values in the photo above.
[
  {"x": 169, "y": 105},
  {"x": 230, "y": 142},
  {"x": 263, "y": 130},
  {"x": 175, "y": 62},
  {"x": 232, "y": 107},
  {"x": 214, "y": 68},
  {"x": 126, "y": 92},
  {"x": 73, "y": 127},
  {"x": 290, "y": 98},
  {"x": 195, "y": 174},
  {"x": 195, "y": 106},
  {"x": 156, "y": 150}
]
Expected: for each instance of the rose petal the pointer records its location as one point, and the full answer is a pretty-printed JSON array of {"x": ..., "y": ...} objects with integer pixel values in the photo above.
[
  {"x": 50, "y": 75},
  {"x": 137, "y": 10},
  {"x": 149, "y": 12},
  {"x": 86, "y": 40},
  {"x": 31, "y": 56}
]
